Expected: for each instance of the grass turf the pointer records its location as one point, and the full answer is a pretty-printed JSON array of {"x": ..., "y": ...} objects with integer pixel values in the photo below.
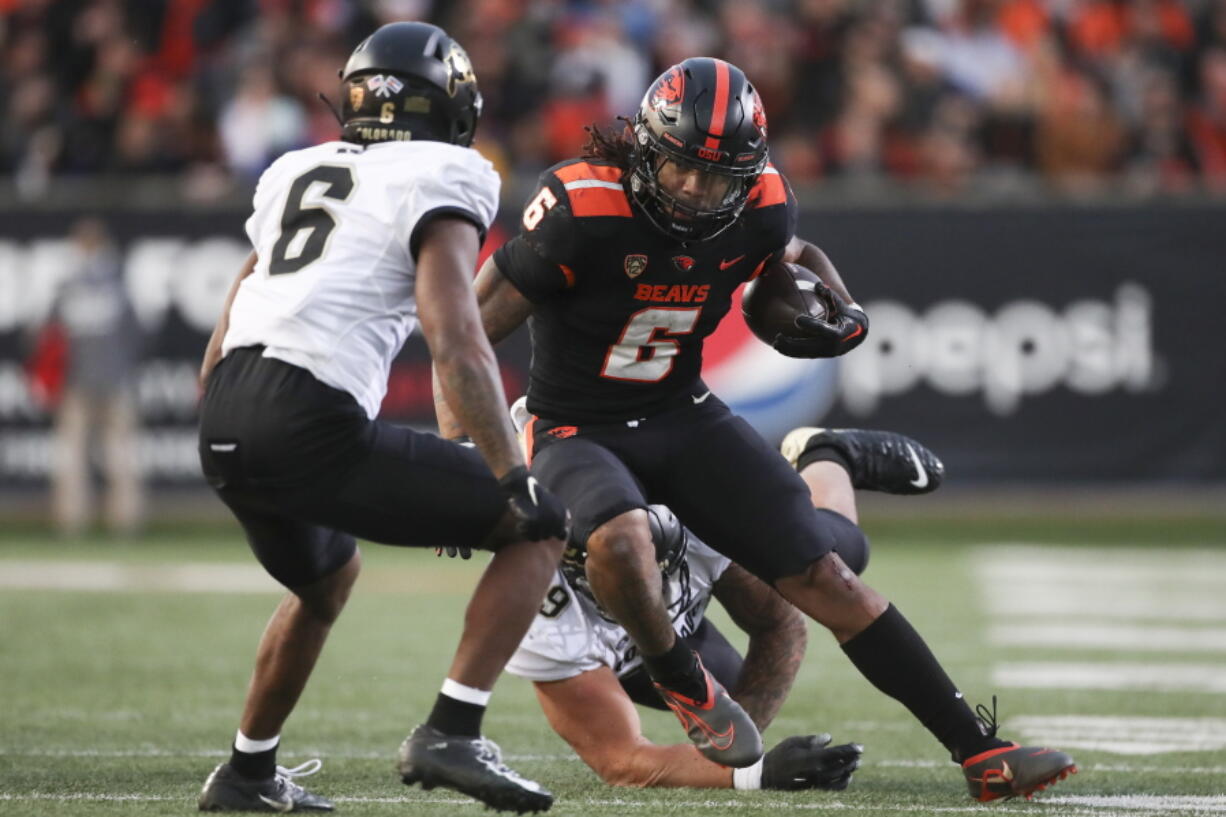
[{"x": 121, "y": 702}]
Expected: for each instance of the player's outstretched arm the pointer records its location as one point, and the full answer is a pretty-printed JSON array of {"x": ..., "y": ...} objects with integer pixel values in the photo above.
[
  {"x": 614, "y": 747},
  {"x": 466, "y": 370},
  {"x": 777, "y": 639},
  {"x": 595, "y": 716},
  {"x": 212, "y": 352},
  {"x": 502, "y": 309}
]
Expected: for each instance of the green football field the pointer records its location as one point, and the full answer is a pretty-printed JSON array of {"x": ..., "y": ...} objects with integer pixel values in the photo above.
[{"x": 123, "y": 665}]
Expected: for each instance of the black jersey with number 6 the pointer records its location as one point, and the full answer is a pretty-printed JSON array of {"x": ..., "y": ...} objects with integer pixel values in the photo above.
[{"x": 620, "y": 310}]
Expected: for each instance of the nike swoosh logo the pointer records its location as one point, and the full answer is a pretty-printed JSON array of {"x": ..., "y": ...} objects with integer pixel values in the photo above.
[
  {"x": 283, "y": 806},
  {"x": 532, "y": 489},
  {"x": 921, "y": 476},
  {"x": 700, "y": 398},
  {"x": 723, "y": 265},
  {"x": 720, "y": 740}
]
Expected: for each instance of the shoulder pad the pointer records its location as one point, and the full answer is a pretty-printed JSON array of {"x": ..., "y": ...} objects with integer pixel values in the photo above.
[
  {"x": 769, "y": 190},
  {"x": 593, "y": 189}
]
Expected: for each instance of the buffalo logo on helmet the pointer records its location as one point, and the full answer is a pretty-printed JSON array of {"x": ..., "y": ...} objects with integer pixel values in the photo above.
[
  {"x": 669, "y": 89},
  {"x": 683, "y": 262},
  {"x": 460, "y": 68},
  {"x": 635, "y": 264}
]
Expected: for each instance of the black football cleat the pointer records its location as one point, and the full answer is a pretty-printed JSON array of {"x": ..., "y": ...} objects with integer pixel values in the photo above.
[
  {"x": 1013, "y": 770},
  {"x": 227, "y": 790},
  {"x": 879, "y": 460},
  {"x": 471, "y": 766},
  {"x": 717, "y": 725}
]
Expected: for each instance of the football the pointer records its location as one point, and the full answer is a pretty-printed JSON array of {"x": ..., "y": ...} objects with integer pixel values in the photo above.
[{"x": 772, "y": 301}]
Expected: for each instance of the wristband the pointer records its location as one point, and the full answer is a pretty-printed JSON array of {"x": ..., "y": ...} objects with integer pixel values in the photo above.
[{"x": 749, "y": 778}]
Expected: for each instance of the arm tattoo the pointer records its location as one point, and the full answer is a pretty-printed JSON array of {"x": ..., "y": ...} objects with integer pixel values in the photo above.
[{"x": 777, "y": 639}]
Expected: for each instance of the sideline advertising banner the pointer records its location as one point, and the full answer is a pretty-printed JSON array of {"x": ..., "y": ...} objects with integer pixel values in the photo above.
[{"x": 1023, "y": 344}]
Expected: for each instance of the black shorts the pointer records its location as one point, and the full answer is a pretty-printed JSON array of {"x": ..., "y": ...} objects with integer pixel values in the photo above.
[
  {"x": 305, "y": 471},
  {"x": 735, "y": 492}
]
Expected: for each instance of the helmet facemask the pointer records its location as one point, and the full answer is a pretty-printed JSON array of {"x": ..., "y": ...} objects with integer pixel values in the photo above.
[{"x": 728, "y": 190}]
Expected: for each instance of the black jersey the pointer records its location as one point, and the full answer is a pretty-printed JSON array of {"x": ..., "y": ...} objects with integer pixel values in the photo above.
[{"x": 620, "y": 310}]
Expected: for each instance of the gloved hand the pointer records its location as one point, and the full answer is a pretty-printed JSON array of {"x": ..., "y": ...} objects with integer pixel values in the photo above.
[
  {"x": 807, "y": 763},
  {"x": 538, "y": 513},
  {"x": 454, "y": 551},
  {"x": 844, "y": 328}
]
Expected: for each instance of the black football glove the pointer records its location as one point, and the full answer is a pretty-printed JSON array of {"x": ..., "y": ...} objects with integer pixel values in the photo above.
[
  {"x": 844, "y": 328},
  {"x": 806, "y": 763},
  {"x": 538, "y": 513},
  {"x": 453, "y": 551}
]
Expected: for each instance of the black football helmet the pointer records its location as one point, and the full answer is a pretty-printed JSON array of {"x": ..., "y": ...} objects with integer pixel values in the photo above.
[
  {"x": 701, "y": 113},
  {"x": 409, "y": 81},
  {"x": 670, "y": 537}
]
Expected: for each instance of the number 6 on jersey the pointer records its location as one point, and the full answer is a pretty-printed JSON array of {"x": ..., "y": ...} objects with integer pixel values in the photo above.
[{"x": 644, "y": 353}]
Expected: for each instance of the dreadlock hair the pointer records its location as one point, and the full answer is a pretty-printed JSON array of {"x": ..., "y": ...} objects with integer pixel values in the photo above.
[{"x": 610, "y": 145}]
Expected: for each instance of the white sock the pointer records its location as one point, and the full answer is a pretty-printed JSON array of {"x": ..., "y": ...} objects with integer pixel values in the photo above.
[
  {"x": 469, "y": 695},
  {"x": 749, "y": 777},
  {"x": 248, "y": 746}
]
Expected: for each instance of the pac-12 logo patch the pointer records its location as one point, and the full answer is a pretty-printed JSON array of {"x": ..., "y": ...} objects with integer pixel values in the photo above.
[
  {"x": 683, "y": 262},
  {"x": 635, "y": 264}
]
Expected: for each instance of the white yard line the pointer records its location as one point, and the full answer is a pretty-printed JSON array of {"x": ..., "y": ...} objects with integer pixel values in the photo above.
[
  {"x": 1090, "y": 806},
  {"x": 1112, "y": 676},
  {"x": 1103, "y": 583},
  {"x": 1084, "y": 636},
  {"x": 189, "y": 577}
]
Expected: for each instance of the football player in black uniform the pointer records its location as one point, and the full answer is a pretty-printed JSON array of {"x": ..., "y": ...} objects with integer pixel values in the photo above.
[{"x": 627, "y": 260}]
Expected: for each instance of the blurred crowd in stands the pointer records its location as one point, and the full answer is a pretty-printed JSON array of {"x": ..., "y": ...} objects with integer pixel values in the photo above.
[{"x": 1122, "y": 97}]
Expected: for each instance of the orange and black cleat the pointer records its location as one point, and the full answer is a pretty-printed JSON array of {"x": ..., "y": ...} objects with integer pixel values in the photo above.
[
  {"x": 1013, "y": 770},
  {"x": 717, "y": 725}
]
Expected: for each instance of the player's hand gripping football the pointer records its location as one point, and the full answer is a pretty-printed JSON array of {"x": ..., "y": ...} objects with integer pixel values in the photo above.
[
  {"x": 810, "y": 763},
  {"x": 844, "y": 327},
  {"x": 538, "y": 513}
]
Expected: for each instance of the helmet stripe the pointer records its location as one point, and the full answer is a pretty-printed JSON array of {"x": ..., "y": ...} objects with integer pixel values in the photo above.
[{"x": 719, "y": 109}]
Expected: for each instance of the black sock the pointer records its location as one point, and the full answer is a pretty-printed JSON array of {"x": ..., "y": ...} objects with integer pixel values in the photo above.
[
  {"x": 821, "y": 453},
  {"x": 454, "y": 717},
  {"x": 677, "y": 669},
  {"x": 254, "y": 765},
  {"x": 895, "y": 659}
]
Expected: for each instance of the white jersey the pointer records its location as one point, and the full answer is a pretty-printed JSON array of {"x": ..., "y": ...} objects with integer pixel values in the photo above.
[
  {"x": 336, "y": 228},
  {"x": 570, "y": 635}
]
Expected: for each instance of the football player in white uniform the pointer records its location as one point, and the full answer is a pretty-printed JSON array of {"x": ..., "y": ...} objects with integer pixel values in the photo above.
[
  {"x": 582, "y": 661},
  {"x": 354, "y": 242}
]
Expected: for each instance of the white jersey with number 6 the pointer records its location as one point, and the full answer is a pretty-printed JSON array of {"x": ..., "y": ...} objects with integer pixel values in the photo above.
[{"x": 336, "y": 228}]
